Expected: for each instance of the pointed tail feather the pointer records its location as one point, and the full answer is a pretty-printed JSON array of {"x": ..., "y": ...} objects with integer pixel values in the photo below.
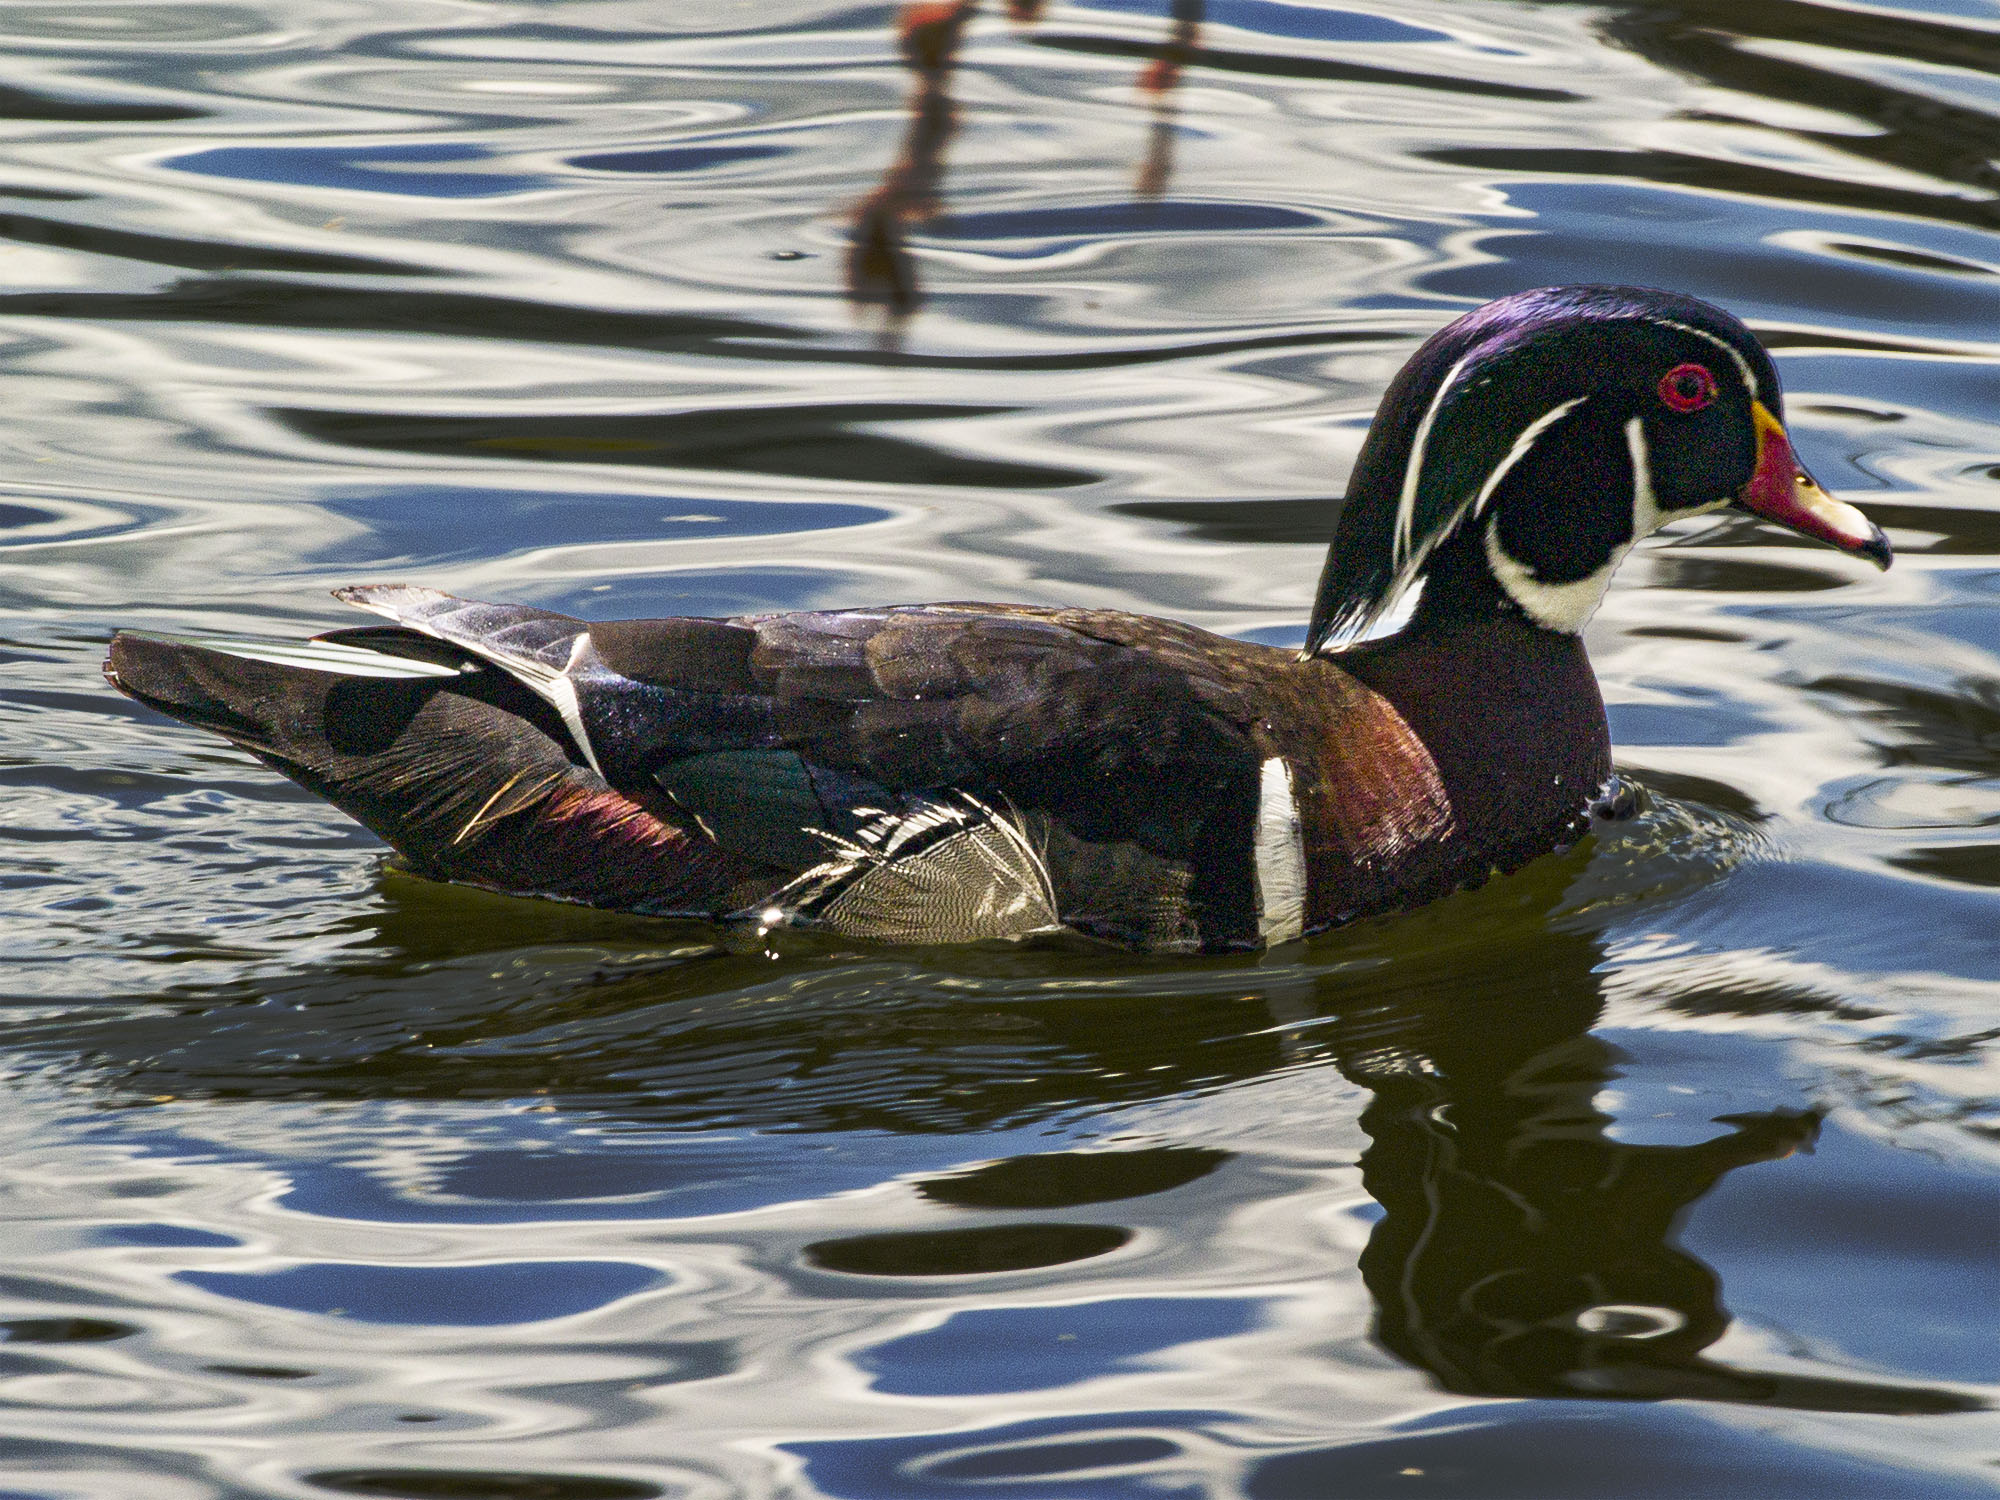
[
  {"x": 343, "y": 653},
  {"x": 467, "y": 774}
]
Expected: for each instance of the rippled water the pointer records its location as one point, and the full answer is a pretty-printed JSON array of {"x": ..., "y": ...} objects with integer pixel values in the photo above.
[{"x": 1665, "y": 1168}]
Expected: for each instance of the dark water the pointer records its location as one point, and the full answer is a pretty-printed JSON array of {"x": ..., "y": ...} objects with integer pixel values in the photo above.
[{"x": 1666, "y": 1168}]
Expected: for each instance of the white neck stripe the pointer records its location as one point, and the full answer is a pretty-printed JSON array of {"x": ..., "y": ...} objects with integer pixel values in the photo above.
[{"x": 1406, "y": 503}]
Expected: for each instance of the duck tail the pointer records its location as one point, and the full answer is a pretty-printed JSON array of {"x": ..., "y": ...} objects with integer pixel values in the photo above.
[{"x": 463, "y": 771}]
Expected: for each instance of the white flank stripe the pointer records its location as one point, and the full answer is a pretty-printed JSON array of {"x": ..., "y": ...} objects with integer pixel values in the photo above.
[{"x": 1280, "y": 861}]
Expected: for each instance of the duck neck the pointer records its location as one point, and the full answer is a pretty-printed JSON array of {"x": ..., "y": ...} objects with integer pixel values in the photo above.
[{"x": 1509, "y": 711}]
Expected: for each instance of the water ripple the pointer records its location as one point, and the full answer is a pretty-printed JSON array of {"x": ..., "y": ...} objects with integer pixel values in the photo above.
[{"x": 319, "y": 1178}]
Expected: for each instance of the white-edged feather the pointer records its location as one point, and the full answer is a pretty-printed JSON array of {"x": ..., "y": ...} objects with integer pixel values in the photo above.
[
  {"x": 335, "y": 657},
  {"x": 434, "y": 613},
  {"x": 948, "y": 870}
]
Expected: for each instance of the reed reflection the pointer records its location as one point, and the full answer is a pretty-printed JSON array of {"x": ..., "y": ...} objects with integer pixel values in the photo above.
[
  {"x": 881, "y": 271},
  {"x": 1160, "y": 81}
]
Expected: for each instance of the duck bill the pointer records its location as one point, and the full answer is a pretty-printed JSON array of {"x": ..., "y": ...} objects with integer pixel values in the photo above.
[{"x": 1782, "y": 492}]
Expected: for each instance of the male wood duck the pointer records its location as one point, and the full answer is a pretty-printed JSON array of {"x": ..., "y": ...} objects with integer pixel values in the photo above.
[{"x": 952, "y": 772}]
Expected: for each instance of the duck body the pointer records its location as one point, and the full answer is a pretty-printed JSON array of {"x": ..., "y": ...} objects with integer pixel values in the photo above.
[
  {"x": 1173, "y": 789},
  {"x": 950, "y": 772}
]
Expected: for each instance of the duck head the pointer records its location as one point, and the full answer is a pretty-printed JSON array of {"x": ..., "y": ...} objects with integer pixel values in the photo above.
[{"x": 1525, "y": 448}]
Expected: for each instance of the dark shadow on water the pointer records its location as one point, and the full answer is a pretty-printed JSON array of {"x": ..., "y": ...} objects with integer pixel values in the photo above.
[
  {"x": 827, "y": 441},
  {"x": 1233, "y": 522},
  {"x": 1067, "y": 1179},
  {"x": 1291, "y": 65},
  {"x": 25, "y": 104},
  {"x": 1524, "y": 1251},
  {"x": 248, "y": 301},
  {"x": 481, "y": 1484}
]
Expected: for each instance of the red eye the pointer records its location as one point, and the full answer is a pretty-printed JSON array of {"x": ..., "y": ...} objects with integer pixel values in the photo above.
[{"x": 1687, "y": 387}]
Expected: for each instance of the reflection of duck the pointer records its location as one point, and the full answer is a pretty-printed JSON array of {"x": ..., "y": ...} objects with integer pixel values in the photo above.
[
  {"x": 1524, "y": 1252},
  {"x": 880, "y": 269},
  {"x": 952, "y": 772}
]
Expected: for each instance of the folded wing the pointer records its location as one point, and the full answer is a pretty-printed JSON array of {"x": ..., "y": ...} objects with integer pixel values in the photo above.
[{"x": 1088, "y": 767}]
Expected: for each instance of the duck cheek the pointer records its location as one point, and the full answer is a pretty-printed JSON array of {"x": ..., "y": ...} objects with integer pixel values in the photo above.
[
  {"x": 1564, "y": 605},
  {"x": 1690, "y": 466}
]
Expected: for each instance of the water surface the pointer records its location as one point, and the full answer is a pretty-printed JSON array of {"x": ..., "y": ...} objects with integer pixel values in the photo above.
[{"x": 1664, "y": 1168}]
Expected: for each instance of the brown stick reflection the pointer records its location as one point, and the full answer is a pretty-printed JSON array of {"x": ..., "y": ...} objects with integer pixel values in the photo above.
[
  {"x": 880, "y": 269},
  {"x": 1160, "y": 81},
  {"x": 881, "y": 272}
]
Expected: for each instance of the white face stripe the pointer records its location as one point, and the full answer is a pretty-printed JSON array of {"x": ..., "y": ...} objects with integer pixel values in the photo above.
[
  {"x": 1521, "y": 446},
  {"x": 1646, "y": 517},
  {"x": 1743, "y": 365},
  {"x": 1279, "y": 860},
  {"x": 1406, "y": 503}
]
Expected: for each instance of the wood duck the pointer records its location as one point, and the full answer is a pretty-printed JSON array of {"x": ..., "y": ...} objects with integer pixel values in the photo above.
[{"x": 954, "y": 772}]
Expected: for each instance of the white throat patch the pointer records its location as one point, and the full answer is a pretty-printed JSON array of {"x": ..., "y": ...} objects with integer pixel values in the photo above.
[{"x": 1567, "y": 607}]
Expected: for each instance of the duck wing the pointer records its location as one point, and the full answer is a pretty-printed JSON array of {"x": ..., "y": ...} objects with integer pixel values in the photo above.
[{"x": 1121, "y": 751}]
